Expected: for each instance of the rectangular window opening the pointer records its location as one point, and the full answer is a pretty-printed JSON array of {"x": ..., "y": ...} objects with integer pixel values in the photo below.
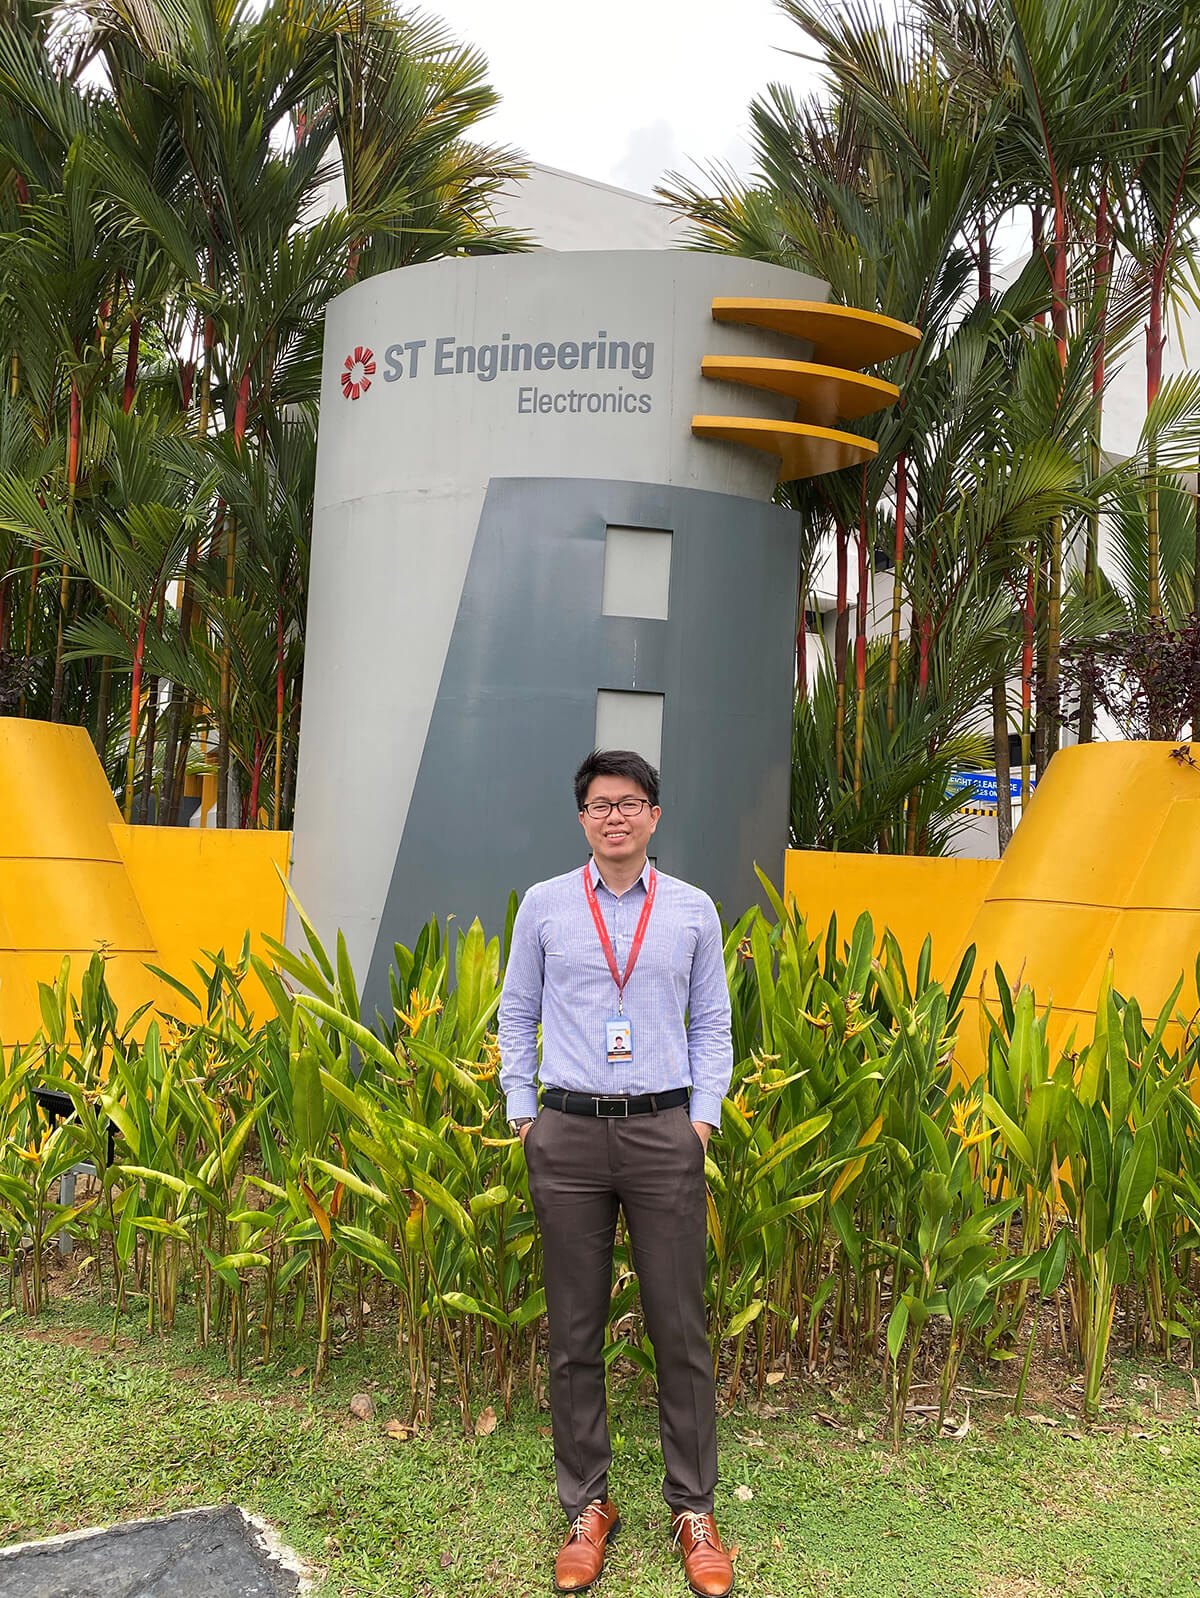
[
  {"x": 637, "y": 572},
  {"x": 630, "y": 720}
]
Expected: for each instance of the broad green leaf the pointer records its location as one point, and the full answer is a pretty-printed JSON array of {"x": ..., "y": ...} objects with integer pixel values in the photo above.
[
  {"x": 349, "y": 1179},
  {"x": 791, "y": 1143},
  {"x": 362, "y": 1037},
  {"x": 854, "y": 1169},
  {"x": 897, "y": 1327},
  {"x": 434, "y": 1193},
  {"x": 743, "y": 1318},
  {"x": 1135, "y": 1178},
  {"x": 532, "y": 1307},
  {"x": 937, "y": 1144},
  {"x": 308, "y": 1102},
  {"x": 1054, "y": 1264},
  {"x": 494, "y": 1198},
  {"x": 347, "y": 987},
  {"x": 1017, "y": 1142},
  {"x": 1095, "y": 1232},
  {"x": 177, "y": 1184},
  {"x": 371, "y": 1250},
  {"x": 243, "y": 1260}
]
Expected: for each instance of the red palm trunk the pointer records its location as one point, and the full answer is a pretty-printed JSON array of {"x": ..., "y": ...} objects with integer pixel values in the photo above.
[
  {"x": 75, "y": 424},
  {"x": 860, "y": 630},
  {"x": 135, "y": 707},
  {"x": 1058, "y": 283},
  {"x": 860, "y": 648},
  {"x": 279, "y": 702},
  {"x": 1155, "y": 340},
  {"x": 131, "y": 363},
  {"x": 923, "y": 653},
  {"x": 33, "y": 582},
  {"x": 1104, "y": 255},
  {"x": 897, "y": 588},
  {"x": 224, "y": 710},
  {"x": 985, "y": 261},
  {"x": 1027, "y": 618},
  {"x": 1104, "y": 262},
  {"x": 241, "y": 407},
  {"x": 841, "y": 639},
  {"x": 256, "y": 780}
]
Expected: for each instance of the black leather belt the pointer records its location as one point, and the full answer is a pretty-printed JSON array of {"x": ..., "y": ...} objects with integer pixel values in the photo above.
[{"x": 613, "y": 1106}]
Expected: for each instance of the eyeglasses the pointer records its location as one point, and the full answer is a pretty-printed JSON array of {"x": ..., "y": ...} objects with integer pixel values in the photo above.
[{"x": 599, "y": 808}]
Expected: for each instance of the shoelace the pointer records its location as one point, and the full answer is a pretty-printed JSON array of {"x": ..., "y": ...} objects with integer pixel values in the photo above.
[
  {"x": 581, "y": 1526},
  {"x": 698, "y": 1525}
]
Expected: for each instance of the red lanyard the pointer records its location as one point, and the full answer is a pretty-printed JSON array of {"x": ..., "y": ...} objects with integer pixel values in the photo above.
[{"x": 606, "y": 942}]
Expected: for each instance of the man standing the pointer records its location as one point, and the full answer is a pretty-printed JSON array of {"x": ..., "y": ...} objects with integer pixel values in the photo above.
[{"x": 612, "y": 959}]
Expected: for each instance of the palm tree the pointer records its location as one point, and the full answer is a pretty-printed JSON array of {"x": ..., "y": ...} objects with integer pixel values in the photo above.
[
  {"x": 131, "y": 552},
  {"x": 889, "y": 184},
  {"x": 1162, "y": 205},
  {"x": 403, "y": 97},
  {"x": 174, "y": 210},
  {"x": 270, "y": 493}
]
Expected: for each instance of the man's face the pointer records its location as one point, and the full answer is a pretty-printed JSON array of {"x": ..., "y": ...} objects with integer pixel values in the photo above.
[{"x": 615, "y": 837}]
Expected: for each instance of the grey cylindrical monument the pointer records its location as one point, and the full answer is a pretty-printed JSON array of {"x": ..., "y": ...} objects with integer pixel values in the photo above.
[{"x": 521, "y": 551}]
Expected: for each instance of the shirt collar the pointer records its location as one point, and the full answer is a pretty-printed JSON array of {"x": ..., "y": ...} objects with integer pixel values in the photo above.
[{"x": 644, "y": 879}]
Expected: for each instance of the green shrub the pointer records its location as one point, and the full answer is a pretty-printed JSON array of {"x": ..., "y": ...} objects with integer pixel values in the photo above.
[{"x": 863, "y": 1202}]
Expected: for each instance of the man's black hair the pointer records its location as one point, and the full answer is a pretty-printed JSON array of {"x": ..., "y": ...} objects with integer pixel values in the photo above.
[{"x": 616, "y": 763}]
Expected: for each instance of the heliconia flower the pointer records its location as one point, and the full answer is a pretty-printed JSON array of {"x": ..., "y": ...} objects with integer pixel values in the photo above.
[
  {"x": 358, "y": 372},
  {"x": 418, "y": 1009},
  {"x": 962, "y": 1113}
]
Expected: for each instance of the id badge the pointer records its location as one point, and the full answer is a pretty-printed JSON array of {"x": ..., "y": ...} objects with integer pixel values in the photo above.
[{"x": 619, "y": 1040}]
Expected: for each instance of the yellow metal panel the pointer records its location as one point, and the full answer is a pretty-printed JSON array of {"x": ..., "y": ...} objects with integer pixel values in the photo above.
[
  {"x": 1090, "y": 825},
  {"x": 910, "y": 896},
  {"x": 54, "y": 798},
  {"x": 205, "y": 888},
  {"x": 840, "y": 335},
  {"x": 71, "y": 904},
  {"x": 1066, "y": 1029},
  {"x": 129, "y": 982},
  {"x": 19, "y": 1015},
  {"x": 1052, "y": 947},
  {"x": 1106, "y": 859},
  {"x": 803, "y": 451},
  {"x": 1151, "y": 949},
  {"x": 823, "y": 394},
  {"x": 1170, "y": 874},
  {"x": 73, "y": 877}
]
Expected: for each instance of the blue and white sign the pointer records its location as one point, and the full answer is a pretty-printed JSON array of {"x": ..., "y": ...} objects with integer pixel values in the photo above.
[{"x": 984, "y": 785}]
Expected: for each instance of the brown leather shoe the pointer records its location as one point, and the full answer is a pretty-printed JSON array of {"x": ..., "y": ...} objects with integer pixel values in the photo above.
[
  {"x": 581, "y": 1557},
  {"x": 708, "y": 1568}
]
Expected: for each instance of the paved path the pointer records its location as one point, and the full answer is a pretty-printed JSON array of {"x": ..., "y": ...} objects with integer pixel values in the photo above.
[{"x": 208, "y": 1553}]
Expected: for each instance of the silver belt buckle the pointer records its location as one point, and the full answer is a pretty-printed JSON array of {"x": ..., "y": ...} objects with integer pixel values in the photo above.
[{"x": 620, "y": 1107}]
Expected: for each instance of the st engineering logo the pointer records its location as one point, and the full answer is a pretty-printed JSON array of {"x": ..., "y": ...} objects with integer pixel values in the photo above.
[
  {"x": 358, "y": 372},
  {"x": 628, "y": 364}
]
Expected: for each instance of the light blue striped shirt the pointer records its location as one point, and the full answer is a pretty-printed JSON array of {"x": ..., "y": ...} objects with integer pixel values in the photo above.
[{"x": 557, "y": 974}]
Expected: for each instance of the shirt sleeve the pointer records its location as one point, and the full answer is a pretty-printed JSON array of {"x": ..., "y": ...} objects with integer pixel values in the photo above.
[
  {"x": 521, "y": 1012},
  {"x": 709, "y": 1034}
]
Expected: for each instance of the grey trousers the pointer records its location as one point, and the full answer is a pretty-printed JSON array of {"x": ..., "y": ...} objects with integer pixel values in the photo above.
[{"x": 581, "y": 1168}]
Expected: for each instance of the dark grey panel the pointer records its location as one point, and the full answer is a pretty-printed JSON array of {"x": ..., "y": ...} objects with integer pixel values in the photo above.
[{"x": 493, "y": 809}]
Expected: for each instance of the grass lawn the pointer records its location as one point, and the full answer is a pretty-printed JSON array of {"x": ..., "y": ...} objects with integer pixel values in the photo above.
[{"x": 90, "y": 1435}]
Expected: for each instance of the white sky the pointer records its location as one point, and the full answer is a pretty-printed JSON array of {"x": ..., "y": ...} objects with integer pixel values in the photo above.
[{"x": 628, "y": 90}]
